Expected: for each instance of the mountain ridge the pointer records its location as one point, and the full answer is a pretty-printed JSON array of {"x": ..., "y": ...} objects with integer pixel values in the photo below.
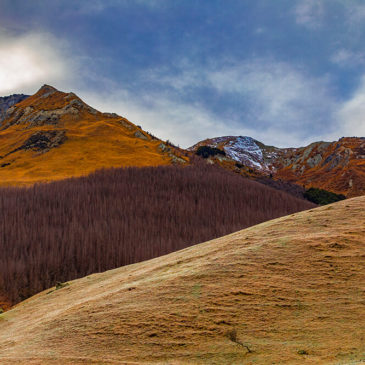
[
  {"x": 53, "y": 135},
  {"x": 337, "y": 166}
]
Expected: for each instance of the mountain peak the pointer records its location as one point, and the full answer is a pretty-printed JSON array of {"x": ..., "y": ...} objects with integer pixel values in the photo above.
[{"x": 47, "y": 88}]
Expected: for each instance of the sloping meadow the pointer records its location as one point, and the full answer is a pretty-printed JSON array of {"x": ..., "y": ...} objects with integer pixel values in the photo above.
[{"x": 64, "y": 230}]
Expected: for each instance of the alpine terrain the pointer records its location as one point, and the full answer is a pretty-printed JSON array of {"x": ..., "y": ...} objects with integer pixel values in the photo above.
[{"x": 334, "y": 166}]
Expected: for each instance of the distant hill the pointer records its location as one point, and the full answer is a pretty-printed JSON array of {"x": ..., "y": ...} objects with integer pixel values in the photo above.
[
  {"x": 337, "y": 166},
  {"x": 288, "y": 291},
  {"x": 72, "y": 228},
  {"x": 53, "y": 135}
]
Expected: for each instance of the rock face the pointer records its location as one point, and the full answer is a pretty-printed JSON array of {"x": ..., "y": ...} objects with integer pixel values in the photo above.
[
  {"x": 335, "y": 166},
  {"x": 7, "y": 102},
  {"x": 43, "y": 141}
]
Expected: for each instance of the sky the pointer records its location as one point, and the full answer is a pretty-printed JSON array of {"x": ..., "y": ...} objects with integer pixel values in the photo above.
[{"x": 285, "y": 72}]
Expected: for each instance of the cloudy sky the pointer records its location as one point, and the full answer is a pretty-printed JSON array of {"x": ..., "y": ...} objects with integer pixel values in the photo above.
[{"x": 286, "y": 72}]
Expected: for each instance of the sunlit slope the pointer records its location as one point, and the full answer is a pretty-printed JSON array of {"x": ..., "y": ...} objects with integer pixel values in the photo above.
[
  {"x": 338, "y": 166},
  {"x": 291, "y": 289},
  {"x": 53, "y": 135}
]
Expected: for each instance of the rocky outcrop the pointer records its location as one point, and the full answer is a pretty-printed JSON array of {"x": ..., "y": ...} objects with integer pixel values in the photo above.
[
  {"x": 7, "y": 102},
  {"x": 47, "y": 107},
  {"x": 43, "y": 141}
]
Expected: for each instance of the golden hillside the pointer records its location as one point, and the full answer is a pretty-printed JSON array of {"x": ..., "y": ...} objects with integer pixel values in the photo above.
[
  {"x": 54, "y": 135},
  {"x": 291, "y": 290}
]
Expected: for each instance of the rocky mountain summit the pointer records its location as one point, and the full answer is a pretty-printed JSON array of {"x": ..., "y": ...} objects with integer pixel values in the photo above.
[{"x": 47, "y": 107}]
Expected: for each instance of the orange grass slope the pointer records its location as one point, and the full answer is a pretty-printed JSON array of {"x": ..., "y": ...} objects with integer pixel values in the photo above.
[
  {"x": 291, "y": 290},
  {"x": 54, "y": 135}
]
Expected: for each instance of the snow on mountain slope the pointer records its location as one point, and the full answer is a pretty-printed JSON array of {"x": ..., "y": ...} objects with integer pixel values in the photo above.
[
  {"x": 245, "y": 150},
  {"x": 337, "y": 166}
]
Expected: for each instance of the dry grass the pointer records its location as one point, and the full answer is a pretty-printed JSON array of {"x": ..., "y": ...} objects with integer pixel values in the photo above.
[
  {"x": 291, "y": 289},
  {"x": 94, "y": 141}
]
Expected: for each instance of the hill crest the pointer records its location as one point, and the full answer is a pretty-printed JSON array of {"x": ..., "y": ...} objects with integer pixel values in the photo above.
[{"x": 291, "y": 290}]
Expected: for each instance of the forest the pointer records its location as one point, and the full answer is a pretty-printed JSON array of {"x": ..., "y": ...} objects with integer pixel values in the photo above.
[{"x": 64, "y": 230}]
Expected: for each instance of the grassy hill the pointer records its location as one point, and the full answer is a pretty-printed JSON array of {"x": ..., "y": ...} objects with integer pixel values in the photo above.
[{"x": 291, "y": 290}]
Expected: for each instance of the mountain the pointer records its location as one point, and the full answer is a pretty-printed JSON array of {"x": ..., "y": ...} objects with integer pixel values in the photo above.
[
  {"x": 334, "y": 166},
  {"x": 7, "y": 102},
  {"x": 288, "y": 291},
  {"x": 54, "y": 135}
]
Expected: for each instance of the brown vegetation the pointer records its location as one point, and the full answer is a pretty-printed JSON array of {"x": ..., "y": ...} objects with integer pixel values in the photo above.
[
  {"x": 64, "y": 230},
  {"x": 291, "y": 290}
]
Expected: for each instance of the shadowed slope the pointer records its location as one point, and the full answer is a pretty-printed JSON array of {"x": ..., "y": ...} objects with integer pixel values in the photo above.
[{"x": 291, "y": 289}]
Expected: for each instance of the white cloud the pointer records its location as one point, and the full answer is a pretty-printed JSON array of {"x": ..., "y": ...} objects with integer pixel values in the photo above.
[
  {"x": 355, "y": 11},
  {"x": 351, "y": 114},
  {"x": 283, "y": 105},
  {"x": 280, "y": 97},
  {"x": 182, "y": 123},
  {"x": 97, "y": 6},
  {"x": 28, "y": 61},
  {"x": 309, "y": 13},
  {"x": 275, "y": 102},
  {"x": 347, "y": 58}
]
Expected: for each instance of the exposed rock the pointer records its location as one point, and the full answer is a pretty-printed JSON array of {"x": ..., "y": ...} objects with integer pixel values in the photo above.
[
  {"x": 43, "y": 141},
  {"x": 7, "y": 102},
  {"x": 140, "y": 135},
  {"x": 163, "y": 148},
  {"x": 42, "y": 117},
  {"x": 111, "y": 115},
  {"x": 176, "y": 159},
  {"x": 314, "y": 161},
  {"x": 126, "y": 124},
  {"x": 320, "y": 164}
]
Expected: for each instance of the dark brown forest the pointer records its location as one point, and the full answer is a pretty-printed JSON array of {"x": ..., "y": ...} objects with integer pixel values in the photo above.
[{"x": 65, "y": 230}]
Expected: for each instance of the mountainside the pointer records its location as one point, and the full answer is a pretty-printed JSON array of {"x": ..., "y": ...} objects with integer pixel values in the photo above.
[
  {"x": 7, "y": 102},
  {"x": 335, "y": 166},
  {"x": 288, "y": 291},
  {"x": 53, "y": 135}
]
